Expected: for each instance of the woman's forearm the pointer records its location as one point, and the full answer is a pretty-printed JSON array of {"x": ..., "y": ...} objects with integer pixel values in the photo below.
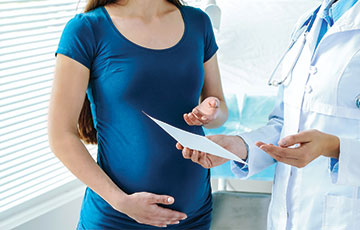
[
  {"x": 221, "y": 118},
  {"x": 74, "y": 155}
]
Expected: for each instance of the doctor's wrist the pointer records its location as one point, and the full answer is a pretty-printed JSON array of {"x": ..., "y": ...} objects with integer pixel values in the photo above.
[
  {"x": 331, "y": 146},
  {"x": 244, "y": 148}
]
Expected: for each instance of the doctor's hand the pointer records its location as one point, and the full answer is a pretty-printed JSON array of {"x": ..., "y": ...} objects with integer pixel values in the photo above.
[
  {"x": 204, "y": 113},
  {"x": 143, "y": 207},
  {"x": 233, "y": 144},
  {"x": 309, "y": 145}
]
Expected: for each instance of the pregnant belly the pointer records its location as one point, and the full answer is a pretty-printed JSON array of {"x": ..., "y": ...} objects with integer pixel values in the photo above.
[{"x": 161, "y": 172}]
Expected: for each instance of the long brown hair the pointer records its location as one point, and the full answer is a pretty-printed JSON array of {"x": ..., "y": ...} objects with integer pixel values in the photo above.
[{"x": 87, "y": 131}]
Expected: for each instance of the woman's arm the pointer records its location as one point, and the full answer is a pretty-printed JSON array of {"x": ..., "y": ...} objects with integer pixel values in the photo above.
[
  {"x": 68, "y": 94},
  {"x": 212, "y": 111}
]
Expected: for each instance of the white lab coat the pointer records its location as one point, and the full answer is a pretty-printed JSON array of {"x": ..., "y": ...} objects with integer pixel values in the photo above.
[{"x": 320, "y": 95}]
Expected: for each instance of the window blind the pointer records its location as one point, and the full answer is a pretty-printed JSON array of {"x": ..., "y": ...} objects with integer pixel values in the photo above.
[{"x": 29, "y": 35}]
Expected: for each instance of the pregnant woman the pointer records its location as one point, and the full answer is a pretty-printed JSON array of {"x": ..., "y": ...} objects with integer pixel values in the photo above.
[{"x": 114, "y": 61}]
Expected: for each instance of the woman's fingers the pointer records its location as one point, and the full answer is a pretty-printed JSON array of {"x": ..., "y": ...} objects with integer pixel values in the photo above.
[
  {"x": 191, "y": 119},
  {"x": 194, "y": 119},
  {"x": 198, "y": 113},
  {"x": 201, "y": 116},
  {"x": 164, "y": 216},
  {"x": 204, "y": 113},
  {"x": 187, "y": 119},
  {"x": 169, "y": 214},
  {"x": 163, "y": 223},
  {"x": 143, "y": 207},
  {"x": 161, "y": 217},
  {"x": 160, "y": 220}
]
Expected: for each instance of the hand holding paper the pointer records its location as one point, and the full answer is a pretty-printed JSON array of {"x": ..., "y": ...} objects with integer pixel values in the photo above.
[{"x": 196, "y": 142}]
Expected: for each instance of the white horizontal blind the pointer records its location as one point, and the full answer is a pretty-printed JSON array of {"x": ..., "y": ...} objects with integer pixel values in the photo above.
[{"x": 29, "y": 35}]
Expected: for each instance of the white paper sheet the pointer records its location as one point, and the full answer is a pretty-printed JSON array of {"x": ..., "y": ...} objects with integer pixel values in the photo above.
[{"x": 196, "y": 142}]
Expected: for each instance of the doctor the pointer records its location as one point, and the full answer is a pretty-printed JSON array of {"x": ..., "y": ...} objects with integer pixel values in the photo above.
[{"x": 314, "y": 130}]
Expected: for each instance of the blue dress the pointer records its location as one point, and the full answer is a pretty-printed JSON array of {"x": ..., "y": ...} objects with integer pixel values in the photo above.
[{"x": 126, "y": 79}]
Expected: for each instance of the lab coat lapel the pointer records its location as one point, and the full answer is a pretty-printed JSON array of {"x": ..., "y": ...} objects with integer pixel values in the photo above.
[
  {"x": 314, "y": 34},
  {"x": 315, "y": 29}
]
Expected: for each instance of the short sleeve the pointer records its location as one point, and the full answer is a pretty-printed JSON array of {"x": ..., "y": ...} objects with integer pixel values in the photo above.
[
  {"x": 77, "y": 41},
  {"x": 210, "y": 41}
]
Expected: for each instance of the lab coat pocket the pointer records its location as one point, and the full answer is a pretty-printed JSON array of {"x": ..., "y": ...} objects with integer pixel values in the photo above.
[{"x": 339, "y": 212}]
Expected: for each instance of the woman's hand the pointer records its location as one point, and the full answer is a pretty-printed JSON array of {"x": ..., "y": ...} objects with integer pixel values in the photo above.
[
  {"x": 143, "y": 207},
  {"x": 310, "y": 145},
  {"x": 204, "y": 113},
  {"x": 232, "y": 143}
]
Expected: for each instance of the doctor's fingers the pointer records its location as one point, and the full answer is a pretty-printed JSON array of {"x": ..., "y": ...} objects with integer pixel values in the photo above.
[
  {"x": 290, "y": 161},
  {"x": 179, "y": 146},
  {"x": 201, "y": 159},
  {"x": 187, "y": 153},
  {"x": 302, "y": 137},
  {"x": 297, "y": 160},
  {"x": 290, "y": 153},
  {"x": 204, "y": 160},
  {"x": 195, "y": 157}
]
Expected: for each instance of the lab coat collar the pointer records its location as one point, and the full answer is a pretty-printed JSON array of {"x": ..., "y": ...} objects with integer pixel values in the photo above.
[{"x": 350, "y": 20}]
